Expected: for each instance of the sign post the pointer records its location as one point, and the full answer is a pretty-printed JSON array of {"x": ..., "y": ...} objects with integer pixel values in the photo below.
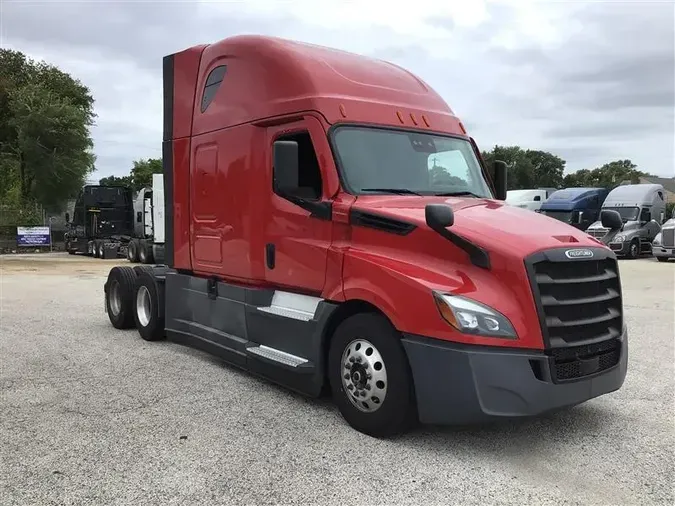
[{"x": 33, "y": 236}]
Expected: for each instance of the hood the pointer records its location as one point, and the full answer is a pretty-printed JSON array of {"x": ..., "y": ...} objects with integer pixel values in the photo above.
[{"x": 491, "y": 224}]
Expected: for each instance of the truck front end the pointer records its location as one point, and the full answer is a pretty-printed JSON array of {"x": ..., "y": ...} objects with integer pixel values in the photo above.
[{"x": 503, "y": 312}]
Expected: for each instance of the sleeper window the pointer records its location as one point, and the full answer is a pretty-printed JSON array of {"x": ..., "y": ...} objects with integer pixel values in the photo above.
[{"x": 213, "y": 82}]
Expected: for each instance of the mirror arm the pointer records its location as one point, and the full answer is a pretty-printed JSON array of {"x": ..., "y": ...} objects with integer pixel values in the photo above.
[
  {"x": 322, "y": 210},
  {"x": 478, "y": 256}
]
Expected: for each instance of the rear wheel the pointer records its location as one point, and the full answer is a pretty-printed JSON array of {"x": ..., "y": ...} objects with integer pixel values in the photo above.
[
  {"x": 94, "y": 248},
  {"x": 101, "y": 249},
  {"x": 119, "y": 293},
  {"x": 132, "y": 251},
  {"x": 145, "y": 252},
  {"x": 148, "y": 300},
  {"x": 370, "y": 377}
]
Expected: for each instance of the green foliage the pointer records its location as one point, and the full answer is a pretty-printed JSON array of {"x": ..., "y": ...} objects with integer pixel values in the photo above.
[
  {"x": 608, "y": 176},
  {"x": 528, "y": 168},
  {"x": 142, "y": 171},
  {"x": 670, "y": 207},
  {"x": 139, "y": 177},
  {"x": 45, "y": 143},
  {"x": 116, "y": 181}
]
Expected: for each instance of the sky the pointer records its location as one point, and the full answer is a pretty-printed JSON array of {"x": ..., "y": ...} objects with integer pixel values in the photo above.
[{"x": 590, "y": 81}]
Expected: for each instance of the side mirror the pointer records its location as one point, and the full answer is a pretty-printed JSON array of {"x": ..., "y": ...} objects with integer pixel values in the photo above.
[
  {"x": 67, "y": 217},
  {"x": 611, "y": 219},
  {"x": 286, "y": 167},
  {"x": 499, "y": 179},
  {"x": 646, "y": 217},
  {"x": 439, "y": 216},
  {"x": 580, "y": 217}
]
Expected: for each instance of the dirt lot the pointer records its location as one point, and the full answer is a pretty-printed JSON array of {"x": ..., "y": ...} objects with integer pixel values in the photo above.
[{"x": 92, "y": 415}]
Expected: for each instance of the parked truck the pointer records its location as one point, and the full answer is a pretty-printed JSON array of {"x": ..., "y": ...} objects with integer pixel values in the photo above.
[
  {"x": 642, "y": 208},
  {"x": 663, "y": 245},
  {"x": 147, "y": 245},
  {"x": 308, "y": 242},
  {"x": 102, "y": 221},
  {"x": 531, "y": 199},
  {"x": 579, "y": 207}
]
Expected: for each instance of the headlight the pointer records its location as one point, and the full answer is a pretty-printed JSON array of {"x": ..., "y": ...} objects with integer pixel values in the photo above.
[
  {"x": 471, "y": 317},
  {"x": 619, "y": 238},
  {"x": 657, "y": 240}
]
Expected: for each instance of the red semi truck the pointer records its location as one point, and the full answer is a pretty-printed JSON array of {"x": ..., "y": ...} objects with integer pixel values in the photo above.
[{"x": 330, "y": 225}]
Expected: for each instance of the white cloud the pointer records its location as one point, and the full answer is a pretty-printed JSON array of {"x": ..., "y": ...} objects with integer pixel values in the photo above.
[{"x": 516, "y": 71}]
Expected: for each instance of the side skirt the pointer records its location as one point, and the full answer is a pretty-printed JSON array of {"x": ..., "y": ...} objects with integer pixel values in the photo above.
[{"x": 274, "y": 334}]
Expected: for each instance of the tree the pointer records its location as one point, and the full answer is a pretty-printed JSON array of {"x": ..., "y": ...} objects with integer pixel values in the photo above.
[
  {"x": 528, "y": 168},
  {"x": 142, "y": 171},
  {"x": 45, "y": 143},
  {"x": 607, "y": 176},
  {"x": 116, "y": 181}
]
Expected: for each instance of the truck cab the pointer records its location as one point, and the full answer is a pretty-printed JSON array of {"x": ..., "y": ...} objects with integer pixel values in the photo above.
[
  {"x": 642, "y": 208},
  {"x": 663, "y": 245},
  {"x": 332, "y": 227},
  {"x": 531, "y": 199},
  {"x": 100, "y": 213},
  {"x": 579, "y": 207}
]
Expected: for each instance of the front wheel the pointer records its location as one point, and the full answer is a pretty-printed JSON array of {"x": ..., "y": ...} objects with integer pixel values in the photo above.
[
  {"x": 662, "y": 259},
  {"x": 370, "y": 377},
  {"x": 634, "y": 249}
]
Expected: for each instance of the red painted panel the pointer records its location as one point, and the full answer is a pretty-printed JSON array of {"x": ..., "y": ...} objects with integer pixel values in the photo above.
[{"x": 181, "y": 203}]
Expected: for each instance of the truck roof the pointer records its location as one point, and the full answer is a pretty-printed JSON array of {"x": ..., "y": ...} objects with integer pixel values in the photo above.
[
  {"x": 631, "y": 195},
  {"x": 270, "y": 76},
  {"x": 567, "y": 199}
]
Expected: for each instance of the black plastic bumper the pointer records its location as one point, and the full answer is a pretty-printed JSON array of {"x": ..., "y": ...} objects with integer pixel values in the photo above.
[{"x": 459, "y": 384}]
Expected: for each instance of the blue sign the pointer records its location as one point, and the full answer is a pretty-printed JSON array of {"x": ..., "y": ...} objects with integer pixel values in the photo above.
[{"x": 33, "y": 236}]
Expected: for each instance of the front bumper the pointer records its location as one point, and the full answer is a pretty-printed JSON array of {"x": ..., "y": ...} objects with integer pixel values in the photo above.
[
  {"x": 620, "y": 248},
  {"x": 460, "y": 384},
  {"x": 660, "y": 251}
]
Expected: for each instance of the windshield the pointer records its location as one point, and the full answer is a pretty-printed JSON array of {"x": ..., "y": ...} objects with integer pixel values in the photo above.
[
  {"x": 521, "y": 195},
  {"x": 626, "y": 213},
  {"x": 375, "y": 160}
]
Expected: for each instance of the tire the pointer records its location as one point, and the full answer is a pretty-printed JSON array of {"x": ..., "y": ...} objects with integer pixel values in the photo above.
[
  {"x": 94, "y": 249},
  {"x": 145, "y": 253},
  {"x": 396, "y": 411},
  {"x": 633, "y": 249},
  {"x": 662, "y": 259},
  {"x": 132, "y": 251},
  {"x": 101, "y": 249},
  {"x": 148, "y": 302},
  {"x": 119, "y": 296}
]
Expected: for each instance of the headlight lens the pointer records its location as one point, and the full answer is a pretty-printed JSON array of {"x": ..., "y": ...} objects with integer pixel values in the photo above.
[
  {"x": 471, "y": 317},
  {"x": 657, "y": 239},
  {"x": 618, "y": 238}
]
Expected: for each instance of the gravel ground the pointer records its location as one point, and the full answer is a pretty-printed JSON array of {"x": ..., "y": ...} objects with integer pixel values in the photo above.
[{"x": 92, "y": 415}]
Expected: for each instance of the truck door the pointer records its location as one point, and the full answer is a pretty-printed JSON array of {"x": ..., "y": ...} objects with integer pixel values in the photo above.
[{"x": 296, "y": 245}]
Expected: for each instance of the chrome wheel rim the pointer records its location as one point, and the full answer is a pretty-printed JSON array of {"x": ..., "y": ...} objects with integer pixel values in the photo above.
[
  {"x": 364, "y": 375},
  {"x": 115, "y": 298},
  {"x": 143, "y": 306}
]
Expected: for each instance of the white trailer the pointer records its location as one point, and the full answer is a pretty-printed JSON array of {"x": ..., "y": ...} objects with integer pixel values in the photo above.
[{"x": 147, "y": 246}]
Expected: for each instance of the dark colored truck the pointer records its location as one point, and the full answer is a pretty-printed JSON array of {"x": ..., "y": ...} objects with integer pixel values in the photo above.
[
  {"x": 102, "y": 221},
  {"x": 331, "y": 225},
  {"x": 579, "y": 207}
]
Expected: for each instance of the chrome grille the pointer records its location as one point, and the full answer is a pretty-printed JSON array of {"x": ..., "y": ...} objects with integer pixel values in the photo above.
[
  {"x": 598, "y": 233},
  {"x": 668, "y": 237}
]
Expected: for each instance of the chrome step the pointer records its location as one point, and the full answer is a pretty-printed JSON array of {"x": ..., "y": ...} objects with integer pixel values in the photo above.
[{"x": 277, "y": 355}]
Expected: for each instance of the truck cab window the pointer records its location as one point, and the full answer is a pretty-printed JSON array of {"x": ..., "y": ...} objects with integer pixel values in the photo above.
[
  {"x": 211, "y": 86},
  {"x": 378, "y": 160},
  {"x": 310, "y": 173}
]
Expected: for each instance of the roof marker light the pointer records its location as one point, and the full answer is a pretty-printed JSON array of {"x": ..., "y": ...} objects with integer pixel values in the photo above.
[
  {"x": 343, "y": 111},
  {"x": 462, "y": 127},
  {"x": 412, "y": 117},
  {"x": 425, "y": 119},
  {"x": 400, "y": 116}
]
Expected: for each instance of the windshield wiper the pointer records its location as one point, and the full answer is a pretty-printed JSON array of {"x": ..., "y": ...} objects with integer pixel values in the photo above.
[
  {"x": 400, "y": 191},
  {"x": 457, "y": 194}
]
